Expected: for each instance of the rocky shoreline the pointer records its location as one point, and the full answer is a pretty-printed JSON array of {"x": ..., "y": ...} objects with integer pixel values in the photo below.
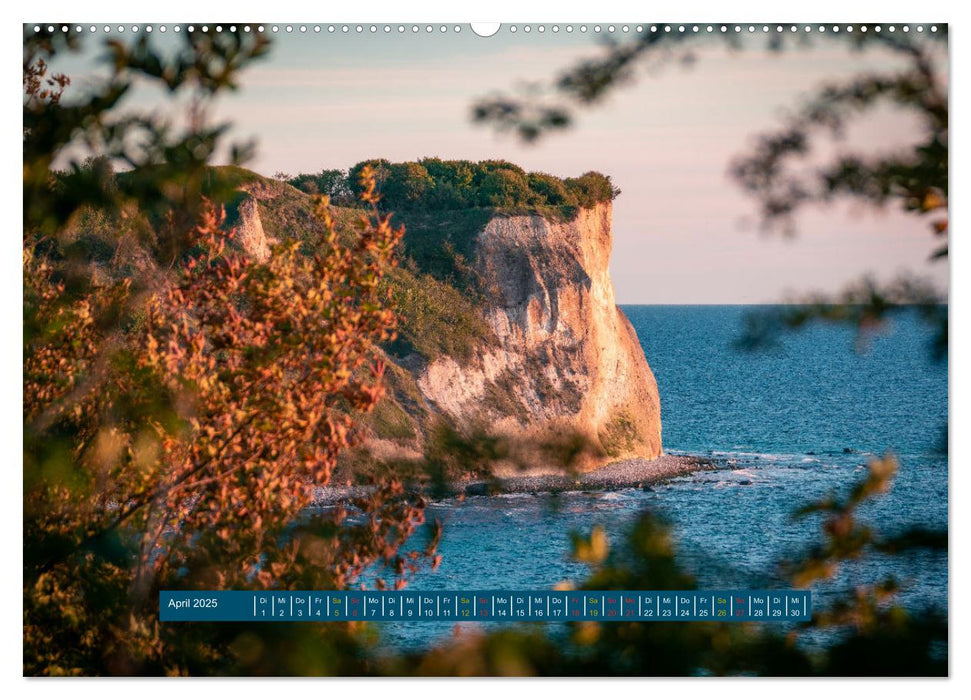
[{"x": 630, "y": 473}]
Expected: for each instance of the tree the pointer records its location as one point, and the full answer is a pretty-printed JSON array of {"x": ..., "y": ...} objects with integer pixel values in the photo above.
[
  {"x": 453, "y": 187},
  {"x": 406, "y": 185},
  {"x": 166, "y": 167},
  {"x": 179, "y": 414},
  {"x": 381, "y": 168},
  {"x": 433, "y": 184},
  {"x": 333, "y": 183}
]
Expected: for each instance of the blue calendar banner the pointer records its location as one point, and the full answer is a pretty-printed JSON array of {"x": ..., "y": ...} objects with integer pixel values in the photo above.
[{"x": 485, "y": 606}]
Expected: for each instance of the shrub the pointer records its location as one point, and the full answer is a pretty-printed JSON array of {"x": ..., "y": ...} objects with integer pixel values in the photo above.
[
  {"x": 592, "y": 188},
  {"x": 551, "y": 189},
  {"x": 503, "y": 188}
]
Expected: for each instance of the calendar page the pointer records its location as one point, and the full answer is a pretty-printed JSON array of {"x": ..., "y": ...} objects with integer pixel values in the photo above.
[{"x": 538, "y": 348}]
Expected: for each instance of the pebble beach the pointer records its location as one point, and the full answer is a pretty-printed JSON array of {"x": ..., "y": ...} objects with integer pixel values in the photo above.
[{"x": 631, "y": 473}]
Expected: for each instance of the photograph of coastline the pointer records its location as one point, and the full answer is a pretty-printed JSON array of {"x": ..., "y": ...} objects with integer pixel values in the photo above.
[{"x": 544, "y": 307}]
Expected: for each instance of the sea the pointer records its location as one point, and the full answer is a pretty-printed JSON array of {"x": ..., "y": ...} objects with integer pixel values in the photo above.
[{"x": 787, "y": 426}]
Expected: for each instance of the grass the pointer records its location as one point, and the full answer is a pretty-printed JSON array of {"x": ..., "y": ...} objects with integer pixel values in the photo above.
[
  {"x": 285, "y": 212},
  {"x": 442, "y": 243},
  {"x": 390, "y": 421},
  {"x": 230, "y": 177},
  {"x": 435, "y": 319},
  {"x": 560, "y": 214}
]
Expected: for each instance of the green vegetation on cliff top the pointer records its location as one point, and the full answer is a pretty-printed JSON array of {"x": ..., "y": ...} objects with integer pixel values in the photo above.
[{"x": 433, "y": 184}]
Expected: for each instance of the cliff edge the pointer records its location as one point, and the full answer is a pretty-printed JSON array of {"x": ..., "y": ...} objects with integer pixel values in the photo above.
[{"x": 565, "y": 357}]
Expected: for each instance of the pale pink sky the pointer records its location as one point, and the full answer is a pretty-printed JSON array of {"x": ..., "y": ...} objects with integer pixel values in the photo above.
[{"x": 329, "y": 101}]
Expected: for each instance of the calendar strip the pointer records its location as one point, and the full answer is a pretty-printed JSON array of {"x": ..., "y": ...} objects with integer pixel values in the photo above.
[{"x": 485, "y": 606}]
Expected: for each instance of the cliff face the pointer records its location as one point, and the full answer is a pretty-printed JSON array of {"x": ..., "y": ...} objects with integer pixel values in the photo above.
[
  {"x": 567, "y": 359},
  {"x": 538, "y": 349}
]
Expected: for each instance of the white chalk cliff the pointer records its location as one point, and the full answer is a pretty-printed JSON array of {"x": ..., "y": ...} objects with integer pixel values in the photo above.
[{"x": 567, "y": 358}]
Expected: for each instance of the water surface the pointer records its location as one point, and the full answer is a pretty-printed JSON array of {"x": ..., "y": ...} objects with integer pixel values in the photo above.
[{"x": 792, "y": 426}]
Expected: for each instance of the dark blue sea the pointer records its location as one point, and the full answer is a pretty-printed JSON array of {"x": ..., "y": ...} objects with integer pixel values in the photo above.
[{"x": 789, "y": 426}]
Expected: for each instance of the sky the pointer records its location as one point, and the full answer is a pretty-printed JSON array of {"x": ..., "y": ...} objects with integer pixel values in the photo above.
[{"x": 684, "y": 232}]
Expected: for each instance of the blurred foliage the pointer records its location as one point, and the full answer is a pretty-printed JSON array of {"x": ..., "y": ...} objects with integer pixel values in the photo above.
[
  {"x": 165, "y": 163},
  {"x": 866, "y": 306},
  {"x": 913, "y": 178},
  {"x": 473, "y": 459},
  {"x": 876, "y": 636}
]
